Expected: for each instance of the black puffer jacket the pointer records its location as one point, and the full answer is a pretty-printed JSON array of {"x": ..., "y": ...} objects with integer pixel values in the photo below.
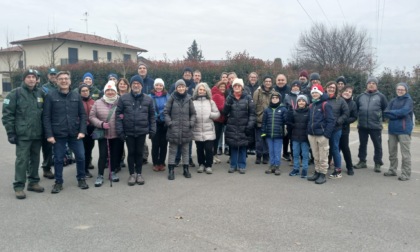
[
  {"x": 370, "y": 107},
  {"x": 340, "y": 111},
  {"x": 179, "y": 118},
  {"x": 298, "y": 120},
  {"x": 64, "y": 115},
  {"x": 352, "y": 115},
  {"x": 135, "y": 115},
  {"x": 240, "y": 119}
]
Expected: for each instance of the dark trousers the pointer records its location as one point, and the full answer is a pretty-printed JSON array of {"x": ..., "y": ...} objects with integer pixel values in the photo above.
[
  {"x": 88, "y": 143},
  {"x": 135, "y": 147},
  {"x": 219, "y": 130},
  {"x": 376, "y": 136},
  {"x": 46, "y": 155},
  {"x": 345, "y": 148},
  {"x": 205, "y": 153},
  {"x": 116, "y": 147},
  {"x": 159, "y": 145},
  {"x": 286, "y": 141}
]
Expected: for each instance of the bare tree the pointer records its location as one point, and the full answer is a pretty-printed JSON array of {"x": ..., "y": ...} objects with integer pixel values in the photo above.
[
  {"x": 126, "y": 64},
  {"x": 11, "y": 57},
  {"x": 336, "y": 48}
]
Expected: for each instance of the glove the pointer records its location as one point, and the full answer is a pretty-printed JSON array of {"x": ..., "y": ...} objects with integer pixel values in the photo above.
[
  {"x": 151, "y": 135},
  {"x": 122, "y": 137},
  {"x": 263, "y": 136},
  {"x": 11, "y": 138},
  {"x": 105, "y": 125}
]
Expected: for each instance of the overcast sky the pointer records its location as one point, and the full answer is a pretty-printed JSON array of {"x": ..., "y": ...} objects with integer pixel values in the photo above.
[{"x": 266, "y": 29}]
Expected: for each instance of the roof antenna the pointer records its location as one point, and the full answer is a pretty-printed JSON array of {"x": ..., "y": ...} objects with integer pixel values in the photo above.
[{"x": 86, "y": 20}]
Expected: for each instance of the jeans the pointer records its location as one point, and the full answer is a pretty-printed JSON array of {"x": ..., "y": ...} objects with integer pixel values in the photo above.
[
  {"x": 76, "y": 145},
  {"x": 238, "y": 157},
  {"x": 376, "y": 136},
  {"x": 274, "y": 148},
  {"x": 334, "y": 142},
  {"x": 298, "y": 149},
  {"x": 260, "y": 145}
]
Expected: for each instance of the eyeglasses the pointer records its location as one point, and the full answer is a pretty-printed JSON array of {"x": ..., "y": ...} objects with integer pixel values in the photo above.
[
  {"x": 400, "y": 90},
  {"x": 61, "y": 79}
]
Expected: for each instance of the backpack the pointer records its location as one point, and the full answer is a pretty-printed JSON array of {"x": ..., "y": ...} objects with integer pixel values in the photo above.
[{"x": 323, "y": 106}]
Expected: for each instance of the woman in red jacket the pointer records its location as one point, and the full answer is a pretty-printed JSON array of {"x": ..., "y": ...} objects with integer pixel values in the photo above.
[
  {"x": 88, "y": 142},
  {"x": 218, "y": 95}
]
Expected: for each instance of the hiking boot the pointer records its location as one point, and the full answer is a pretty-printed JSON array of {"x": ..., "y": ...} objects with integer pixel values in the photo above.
[
  {"x": 265, "y": 159},
  {"x": 200, "y": 169},
  {"x": 171, "y": 174},
  {"x": 140, "y": 179},
  {"x": 336, "y": 174},
  {"x": 208, "y": 170},
  {"x": 191, "y": 163},
  {"x": 277, "y": 171},
  {"x": 304, "y": 173},
  {"x": 294, "y": 172},
  {"x": 270, "y": 169},
  {"x": 377, "y": 168},
  {"x": 314, "y": 177},
  {"x": 20, "y": 194},
  {"x": 48, "y": 174},
  {"x": 99, "y": 181},
  {"x": 35, "y": 188},
  {"x": 57, "y": 187},
  {"x": 186, "y": 173},
  {"x": 132, "y": 179},
  {"x": 241, "y": 170},
  {"x": 321, "y": 179},
  {"x": 403, "y": 178},
  {"x": 258, "y": 159},
  {"x": 231, "y": 170},
  {"x": 390, "y": 173},
  {"x": 114, "y": 177},
  {"x": 88, "y": 174},
  {"x": 82, "y": 184},
  {"x": 350, "y": 171},
  {"x": 360, "y": 165}
]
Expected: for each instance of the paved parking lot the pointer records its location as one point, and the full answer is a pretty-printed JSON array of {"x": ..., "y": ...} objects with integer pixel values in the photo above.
[{"x": 218, "y": 212}]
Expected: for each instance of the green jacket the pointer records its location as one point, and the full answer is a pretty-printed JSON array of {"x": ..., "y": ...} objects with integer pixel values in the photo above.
[
  {"x": 22, "y": 112},
  {"x": 95, "y": 93},
  {"x": 49, "y": 86}
]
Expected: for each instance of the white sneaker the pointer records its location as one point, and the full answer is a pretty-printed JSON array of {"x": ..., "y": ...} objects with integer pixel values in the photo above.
[
  {"x": 200, "y": 169},
  {"x": 209, "y": 170},
  {"x": 216, "y": 160}
]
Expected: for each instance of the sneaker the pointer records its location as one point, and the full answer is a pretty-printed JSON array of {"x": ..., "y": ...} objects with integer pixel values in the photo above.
[
  {"x": 228, "y": 161},
  {"x": 208, "y": 170},
  {"x": 82, "y": 184},
  {"x": 99, "y": 181},
  {"x": 48, "y": 174},
  {"x": 350, "y": 172},
  {"x": 90, "y": 166},
  {"x": 360, "y": 165},
  {"x": 216, "y": 159},
  {"x": 304, "y": 174},
  {"x": 88, "y": 174},
  {"x": 191, "y": 163},
  {"x": 231, "y": 170},
  {"x": 20, "y": 194},
  {"x": 200, "y": 169},
  {"x": 294, "y": 172},
  {"x": 390, "y": 173},
  {"x": 114, "y": 177},
  {"x": 35, "y": 188},
  {"x": 140, "y": 179},
  {"x": 277, "y": 171},
  {"x": 336, "y": 174},
  {"x": 219, "y": 151},
  {"x": 156, "y": 168},
  {"x": 270, "y": 169},
  {"x": 265, "y": 159},
  {"x": 132, "y": 179},
  {"x": 251, "y": 152},
  {"x": 286, "y": 157},
  {"x": 403, "y": 178},
  {"x": 161, "y": 167},
  {"x": 226, "y": 151},
  {"x": 321, "y": 179},
  {"x": 122, "y": 164},
  {"x": 258, "y": 160},
  {"x": 57, "y": 187},
  {"x": 145, "y": 162},
  {"x": 377, "y": 168},
  {"x": 241, "y": 170}
]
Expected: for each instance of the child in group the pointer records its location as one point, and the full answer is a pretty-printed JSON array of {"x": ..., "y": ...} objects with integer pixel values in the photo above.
[
  {"x": 272, "y": 129},
  {"x": 298, "y": 120},
  {"x": 320, "y": 128}
]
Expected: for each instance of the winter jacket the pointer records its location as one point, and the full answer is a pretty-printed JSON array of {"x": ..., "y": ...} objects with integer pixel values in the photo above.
[
  {"x": 219, "y": 99},
  {"x": 48, "y": 86},
  {"x": 262, "y": 99},
  {"x": 87, "y": 105},
  {"x": 135, "y": 115},
  {"x": 340, "y": 111},
  {"x": 206, "y": 111},
  {"x": 400, "y": 114},
  {"x": 179, "y": 118},
  {"x": 240, "y": 119},
  {"x": 159, "y": 103},
  {"x": 352, "y": 116},
  {"x": 321, "y": 119},
  {"x": 251, "y": 88},
  {"x": 282, "y": 90},
  {"x": 298, "y": 120},
  {"x": 148, "y": 85},
  {"x": 291, "y": 100},
  {"x": 190, "y": 87},
  {"x": 274, "y": 120},
  {"x": 64, "y": 115},
  {"x": 22, "y": 112},
  {"x": 99, "y": 115},
  {"x": 94, "y": 92},
  {"x": 370, "y": 107}
]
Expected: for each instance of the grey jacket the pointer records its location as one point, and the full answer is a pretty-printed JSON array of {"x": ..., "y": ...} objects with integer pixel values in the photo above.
[{"x": 370, "y": 108}]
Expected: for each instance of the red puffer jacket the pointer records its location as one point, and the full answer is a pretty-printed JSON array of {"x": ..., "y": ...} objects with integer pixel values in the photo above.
[{"x": 219, "y": 98}]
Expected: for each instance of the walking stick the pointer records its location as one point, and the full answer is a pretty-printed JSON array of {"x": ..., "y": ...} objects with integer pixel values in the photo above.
[{"x": 109, "y": 162}]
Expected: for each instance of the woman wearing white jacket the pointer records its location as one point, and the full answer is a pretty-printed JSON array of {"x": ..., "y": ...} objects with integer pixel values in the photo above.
[{"x": 204, "y": 131}]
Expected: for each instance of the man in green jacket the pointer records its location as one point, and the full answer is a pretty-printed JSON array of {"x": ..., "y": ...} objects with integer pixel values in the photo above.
[{"x": 22, "y": 118}]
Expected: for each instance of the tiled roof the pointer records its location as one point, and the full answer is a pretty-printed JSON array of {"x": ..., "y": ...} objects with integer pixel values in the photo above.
[
  {"x": 11, "y": 49},
  {"x": 80, "y": 37}
]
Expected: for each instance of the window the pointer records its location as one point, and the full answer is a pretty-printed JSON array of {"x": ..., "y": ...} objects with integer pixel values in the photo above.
[
  {"x": 127, "y": 57},
  {"x": 73, "y": 55},
  {"x": 95, "y": 55},
  {"x": 109, "y": 56}
]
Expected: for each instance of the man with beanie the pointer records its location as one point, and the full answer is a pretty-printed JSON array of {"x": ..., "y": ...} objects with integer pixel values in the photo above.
[
  {"x": 400, "y": 126},
  {"x": 147, "y": 81},
  {"x": 64, "y": 121},
  {"x": 304, "y": 81},
  {"x": 135, "y": 118},
  {"x": 370, "y": 105},
  {"x": 22, "y": 119},
  {"x": 341, "y": 82}
]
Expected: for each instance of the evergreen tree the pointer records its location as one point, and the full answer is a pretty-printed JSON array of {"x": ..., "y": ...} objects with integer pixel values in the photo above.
[{"x": 193, "y": 53}]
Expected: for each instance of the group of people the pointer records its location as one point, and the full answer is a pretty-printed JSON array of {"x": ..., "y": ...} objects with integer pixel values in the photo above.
[{"x": 251, "y": 118}]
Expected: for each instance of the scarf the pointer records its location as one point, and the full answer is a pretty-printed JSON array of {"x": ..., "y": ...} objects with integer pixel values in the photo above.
[{"x": 110, "y": 100}]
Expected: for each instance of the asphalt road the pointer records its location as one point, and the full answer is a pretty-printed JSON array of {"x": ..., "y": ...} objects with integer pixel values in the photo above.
[{"x": 218, "y": 212}]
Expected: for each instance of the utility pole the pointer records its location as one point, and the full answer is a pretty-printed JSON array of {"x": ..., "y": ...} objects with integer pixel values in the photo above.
[{"x": 86, "y": 20}]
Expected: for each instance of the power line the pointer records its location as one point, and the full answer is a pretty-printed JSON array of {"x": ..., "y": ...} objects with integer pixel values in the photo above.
[
  {"x": 323, "y": 12},
  {"x": 341, "y": 9},
  {"x": 305, "y": 11}
]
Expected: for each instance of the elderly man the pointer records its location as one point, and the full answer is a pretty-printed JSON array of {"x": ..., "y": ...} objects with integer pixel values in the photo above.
[{"x": 370, "y": 105}]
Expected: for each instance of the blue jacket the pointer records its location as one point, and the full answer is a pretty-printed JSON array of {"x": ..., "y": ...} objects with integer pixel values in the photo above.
[
  {"x": 159, "y": 103},
  {"x": 148, "y": 85},
  {"x": 321, "y": 119},
  {"x": 400, "y": 114},
  {"x": 274, "y": 120}
]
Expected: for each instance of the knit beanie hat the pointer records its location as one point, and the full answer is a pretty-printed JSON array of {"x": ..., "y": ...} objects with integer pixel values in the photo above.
[
  {"x": 142, "y": 64},
  {"x": 29, "y": 72},
  {"x": 112, "y": 75},
  {"x": 372, "y": 79},
  {"x": 136, "y": 78},
  {"x": 302, "y": 97},
  {"x": 342, "y": 79},
  {"x": 158, "y": 81},
  {"x": 188, "y": 69},
  {"x": 238, "y": 81},
  {"x": 295, "y": 83},
  {"x": 110, "y": 85},
  {"x": 316, "y": 88},
  {"x": 403, "y": 84},
  {"x": 87, "y": 75},
  {"x": 180, "y": 82},
  {"x": 315, "y": 76},
  {"x": 303, "y": 73}
]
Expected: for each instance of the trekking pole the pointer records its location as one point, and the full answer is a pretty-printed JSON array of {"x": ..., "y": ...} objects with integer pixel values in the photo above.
[{"x": 109, "y": 162}]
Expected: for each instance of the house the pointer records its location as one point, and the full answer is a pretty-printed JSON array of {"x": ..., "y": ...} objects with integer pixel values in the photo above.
[
  {"x": 72, "y": 47},
  {"x": 11, "y": 59}
]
